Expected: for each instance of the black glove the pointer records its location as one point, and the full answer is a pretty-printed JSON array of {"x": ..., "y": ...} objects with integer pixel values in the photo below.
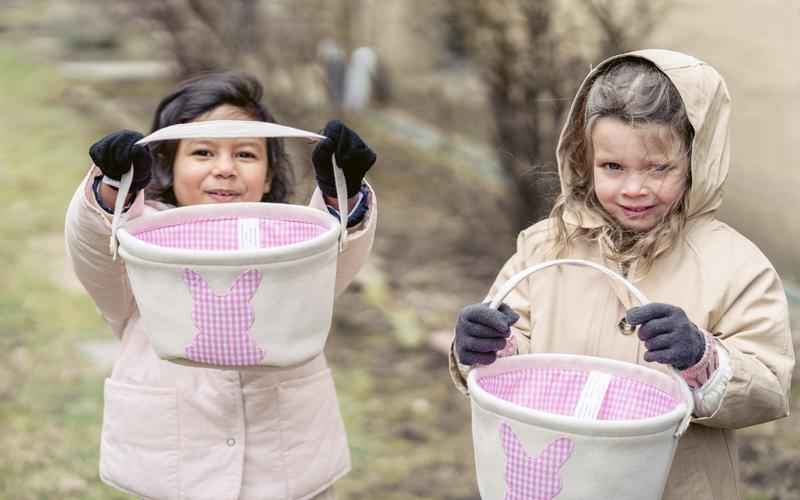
[
  {"x": 352, "y": 155},
  {"x": 114, "y": 153},
  {"x": 668, "y": 334},
  {"x": 481, "y": 331}
]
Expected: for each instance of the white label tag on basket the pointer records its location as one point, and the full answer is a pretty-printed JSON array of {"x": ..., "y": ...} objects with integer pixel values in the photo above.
[
  {"x": 592, "y": 395},
  {"x": 249, "y": 233}
]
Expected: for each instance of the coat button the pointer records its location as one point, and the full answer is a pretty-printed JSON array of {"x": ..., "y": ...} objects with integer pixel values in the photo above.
[{"x": 230, "y": 442}]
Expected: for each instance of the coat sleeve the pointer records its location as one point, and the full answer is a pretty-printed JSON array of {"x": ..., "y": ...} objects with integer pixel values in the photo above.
[
  {"x": 517, "y": 300},
  {"x": 359, "y": 241},
  {"x": 753, "y": 328},
  {"x": 87, "y": 232}
]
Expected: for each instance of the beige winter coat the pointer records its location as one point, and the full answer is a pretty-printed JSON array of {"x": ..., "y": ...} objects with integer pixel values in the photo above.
[
  {"x": 176, "y": 432},
  {"x": 722, "y": 281}
]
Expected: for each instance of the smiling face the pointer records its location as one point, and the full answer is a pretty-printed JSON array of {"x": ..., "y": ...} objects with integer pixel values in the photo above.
[
  {"x": 639, "y": 173},
  {"x": 220, "y": 170}
]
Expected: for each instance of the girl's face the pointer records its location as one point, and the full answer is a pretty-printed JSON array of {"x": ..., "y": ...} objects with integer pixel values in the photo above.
[
  {"x": 638, "y": 172},
  {"x": 220, "y": 170}
]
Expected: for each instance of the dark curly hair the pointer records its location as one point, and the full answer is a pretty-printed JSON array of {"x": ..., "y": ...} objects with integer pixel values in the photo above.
[{"x": 199, "y": 95}]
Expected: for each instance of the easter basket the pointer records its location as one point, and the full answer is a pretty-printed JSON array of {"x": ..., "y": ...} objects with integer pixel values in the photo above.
[
  {"x": 234, "y": 285},
  {"x": 569, "y": 427}
]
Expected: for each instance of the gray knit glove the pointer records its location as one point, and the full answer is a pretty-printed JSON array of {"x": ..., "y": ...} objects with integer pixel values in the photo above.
[
  {"x": 481, "y": 331},
  {"x": 668, "y": 334}
]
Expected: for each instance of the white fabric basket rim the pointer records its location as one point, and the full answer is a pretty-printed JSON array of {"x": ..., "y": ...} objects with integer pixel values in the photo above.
[
  {"x": 256, "y": 263},
  {"x": 574, "y": 425},
  {"x": 131, "y": 245}
]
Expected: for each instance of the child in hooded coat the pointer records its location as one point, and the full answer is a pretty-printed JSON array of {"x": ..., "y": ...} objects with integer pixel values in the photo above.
[
  {"x": 172, "y": 431},
  {"x": 642, "y": 159}
]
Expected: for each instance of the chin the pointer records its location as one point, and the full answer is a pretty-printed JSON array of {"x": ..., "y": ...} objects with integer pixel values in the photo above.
[
  {"x": 635, "y": 226},
  {"x": 638, "y": 227}
]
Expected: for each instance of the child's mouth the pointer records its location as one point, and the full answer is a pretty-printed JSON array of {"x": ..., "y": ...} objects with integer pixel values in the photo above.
[
  {"x": 222, "y": 196},
  {"x": 635, "y": 212}
]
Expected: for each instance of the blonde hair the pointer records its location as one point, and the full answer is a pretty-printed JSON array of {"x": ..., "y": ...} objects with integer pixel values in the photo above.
[{"x": 636, "y": 92}]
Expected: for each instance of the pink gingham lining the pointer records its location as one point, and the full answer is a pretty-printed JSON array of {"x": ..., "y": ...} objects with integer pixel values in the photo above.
[
  {"x": 533, "y": 477},
  {"x": 557, "y": 390},
  {"x": 222, "y": 233}
]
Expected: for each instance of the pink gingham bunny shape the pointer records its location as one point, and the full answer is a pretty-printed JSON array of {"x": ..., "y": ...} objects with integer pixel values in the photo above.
[
  {"x": 533, "y": 478},
  {"x": 222, "y": 322}
]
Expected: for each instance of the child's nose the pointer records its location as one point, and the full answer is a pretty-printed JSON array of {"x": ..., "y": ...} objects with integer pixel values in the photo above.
[
  {"x": 224, "y": 165},
  {"x": 634, "y": 185}
]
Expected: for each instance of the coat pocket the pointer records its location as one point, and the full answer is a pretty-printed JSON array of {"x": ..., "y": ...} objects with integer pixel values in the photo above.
[
  {"x": 139, "y": 444},
  {"x": 314, "y": 440}
]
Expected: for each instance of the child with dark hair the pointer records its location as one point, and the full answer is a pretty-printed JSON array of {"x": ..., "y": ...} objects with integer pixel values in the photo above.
[
  {"x": 172, "y": 431},
  {"x": 643, "y": 158}
]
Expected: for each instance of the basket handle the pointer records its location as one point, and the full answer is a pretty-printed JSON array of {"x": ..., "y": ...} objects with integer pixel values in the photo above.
[
  {"x": 341, "y": 198},
  {"x": 517, "y": 278},
  {"x": 119, "y": 217},
  {"x": 225, "y": 128}
]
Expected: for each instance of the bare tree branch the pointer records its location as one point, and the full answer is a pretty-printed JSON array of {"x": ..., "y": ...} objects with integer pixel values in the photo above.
[{"x": 531, "y": 74}]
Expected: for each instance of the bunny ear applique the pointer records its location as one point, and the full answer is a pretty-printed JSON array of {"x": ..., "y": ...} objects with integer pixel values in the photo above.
[
  {"x": 195, "y": 281},
  {"x": 557, "y": 452},
  {"x": 246, "y": 284},
  {"x": 530, "y": 477}
]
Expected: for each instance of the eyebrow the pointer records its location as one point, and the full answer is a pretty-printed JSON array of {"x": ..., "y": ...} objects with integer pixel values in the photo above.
[
  {"x": 240, "y": 142},
  {"x": 609, "y": 156},
  {"x": 251, "y": 142}
]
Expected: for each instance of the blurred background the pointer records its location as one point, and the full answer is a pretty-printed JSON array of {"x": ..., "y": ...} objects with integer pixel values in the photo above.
[{"x": 463, "y": 101}]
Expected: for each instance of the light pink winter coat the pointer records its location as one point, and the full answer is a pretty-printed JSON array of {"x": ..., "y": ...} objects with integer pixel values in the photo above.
[{"x": 177, "y": 432}]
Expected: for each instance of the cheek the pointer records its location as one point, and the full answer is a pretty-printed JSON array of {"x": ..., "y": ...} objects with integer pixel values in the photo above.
[
  {"x": 186, "y": 181},
  {"x": 256, "y": 180},
  {"x": 605, "y": 190},
  {"x": 671, "y": 192}
]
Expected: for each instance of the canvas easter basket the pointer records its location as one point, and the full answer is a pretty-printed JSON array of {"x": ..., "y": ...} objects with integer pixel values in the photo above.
[
  {"x": 569, "y": 427},
  {"x": 234, "y": 285}
]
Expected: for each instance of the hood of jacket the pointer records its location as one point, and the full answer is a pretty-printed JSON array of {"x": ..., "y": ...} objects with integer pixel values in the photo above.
[{"x": 708, "y": 105}]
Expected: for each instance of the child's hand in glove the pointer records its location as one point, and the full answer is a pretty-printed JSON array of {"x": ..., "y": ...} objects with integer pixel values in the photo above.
[
  {"x": 481, "y": 331},
  {"x": 668, "y": 334}
]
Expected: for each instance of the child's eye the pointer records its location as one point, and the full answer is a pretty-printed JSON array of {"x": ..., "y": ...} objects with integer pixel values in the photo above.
[
  {"x": 612, "y": 166},
  {"x": 247, "y": 155},
  {"x": 203, "y": 153},
  {"x": 662, "y": 168}
]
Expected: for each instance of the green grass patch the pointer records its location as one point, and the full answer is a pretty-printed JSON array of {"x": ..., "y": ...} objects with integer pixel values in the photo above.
[{"x": 50, "y": 396}]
